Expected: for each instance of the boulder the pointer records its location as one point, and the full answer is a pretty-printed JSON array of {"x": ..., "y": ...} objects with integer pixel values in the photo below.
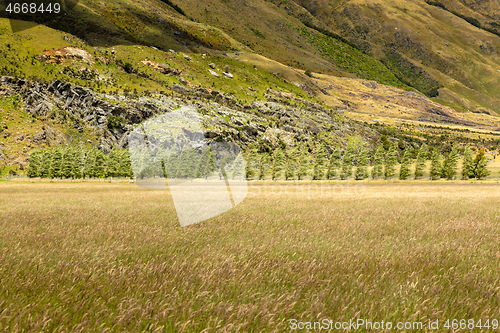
[
  {"x": 162, "y": 68},
  {"x": 228, "y": 75},
  {"x": 213, "y": 73},
  {"x": 370, "y": 84}
]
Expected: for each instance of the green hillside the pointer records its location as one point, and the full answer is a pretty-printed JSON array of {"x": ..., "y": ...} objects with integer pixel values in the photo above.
[
  {"x": 447, "y": 49},
  {"x": 237, "y": 54}
]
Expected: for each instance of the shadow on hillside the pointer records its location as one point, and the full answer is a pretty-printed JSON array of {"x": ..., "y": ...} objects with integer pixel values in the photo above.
[
  {"x": 25, "y": 16},
  {"x": 100, "y": 31}
]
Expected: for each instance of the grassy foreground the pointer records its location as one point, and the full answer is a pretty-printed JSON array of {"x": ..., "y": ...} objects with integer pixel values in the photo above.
[{"x": 85, "y": 257}]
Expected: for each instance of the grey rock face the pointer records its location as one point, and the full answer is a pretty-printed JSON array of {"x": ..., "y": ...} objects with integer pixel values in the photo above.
[{"x": 224, "y": 119}]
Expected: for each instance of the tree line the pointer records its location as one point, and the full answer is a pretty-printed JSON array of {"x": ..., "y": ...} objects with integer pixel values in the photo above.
[
  {"x": 222, "y": 161},
  {"x": 298, "y": 163},
  {"x": 77, "y": 163}
]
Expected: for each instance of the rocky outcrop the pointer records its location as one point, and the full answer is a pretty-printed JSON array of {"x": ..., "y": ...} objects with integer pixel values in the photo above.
[
  {"x": 59, "y": 56},
  {"x": 162, "y": 68},
  {"x": 113, "y": 117}
]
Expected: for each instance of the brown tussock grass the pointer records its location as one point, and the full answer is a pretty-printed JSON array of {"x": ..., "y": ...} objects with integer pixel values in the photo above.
[{"x": 112, "y": 257}]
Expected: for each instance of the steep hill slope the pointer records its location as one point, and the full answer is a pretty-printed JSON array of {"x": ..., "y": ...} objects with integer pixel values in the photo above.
[
  {"x": 424, "y": 41},
  {"x": 87, "y": 78}
]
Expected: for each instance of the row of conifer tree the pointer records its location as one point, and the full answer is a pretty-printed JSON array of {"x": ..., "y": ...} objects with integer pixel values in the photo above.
[
  {"x": 289, "y": 164},
  {"x": 298, "y": 164},
  {"x": 75, "y": 162}
]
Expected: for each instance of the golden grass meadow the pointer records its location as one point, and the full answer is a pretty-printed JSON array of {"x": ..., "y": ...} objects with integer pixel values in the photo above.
[{"x": 100, "y": 257}]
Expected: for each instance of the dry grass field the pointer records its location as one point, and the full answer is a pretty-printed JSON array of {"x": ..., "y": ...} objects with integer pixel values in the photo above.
[{"x": 84, "y": 257}]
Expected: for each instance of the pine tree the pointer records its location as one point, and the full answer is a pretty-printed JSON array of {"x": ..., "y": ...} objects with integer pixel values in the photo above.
[
  {"x": 362, "y": 165},
  {"x": 480, "y": 164},
  {"x": 35, "y": 164},
  {"x": 238, "y": 166},
  {"x": 77, "y": 162},
  {"x": 56, "y": 165},
  {"x": 334, "y": 164},
  {"x": 263, "y": 166},
  {"x": 186, "y": 163},
  {"x": 172, "y": 162},
  {"x": 346, "y": 171},
  {"x": 67, "y": 163},
  {"x": 113, "y": 165},
  {"x": 436, "y": 167},
  {"x": 303, "y": 168},
  {"x": 88, "y": 165},
  {"x": 158, "y": 168},
  {"x": 278, "y": 163},
  {"x": 205, "y": 166},
  {"x": 404, "y": 171},
  {"x": 46, "y": 163},
  {"x": 467, "y": 163},
  {"x": 292, "y": 159},
  {"x": 319, "y": 162},
  {"x": 252, "y": 163},
  {"x": 450, "y": 164},
  {"x": 391, "y": 160},
  {"x": 224, "y": 162},
  {"x": 125, "y": 164},
  {"x": 99, "y": 167},
  {"x": 378, "y": 163},
  {"x": 420, "y": 164}
]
